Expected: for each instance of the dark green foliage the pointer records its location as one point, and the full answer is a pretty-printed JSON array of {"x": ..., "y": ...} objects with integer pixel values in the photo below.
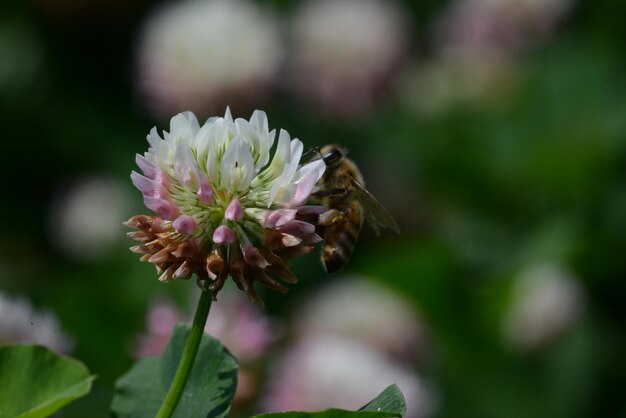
[
  {"x": 36, "y": 381},
  {"x": 209, "y": 390},
  {"x": 389, "y": 403}
]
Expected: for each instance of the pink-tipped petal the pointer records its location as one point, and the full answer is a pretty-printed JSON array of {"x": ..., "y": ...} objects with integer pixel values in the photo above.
[
  {"x": 312, "y": 210},
  {"x": 205, "y": 192},
  {"x": 278, "y": 218},
  {"x": 223, "y": 235},
  {"x": 303, "y": 191},
  {"x": 147, "y": 186},
  {"x": 164, "y": 208},
  {"x": 148, "y": 169},
  {"x": 185, "y": 224},
  {"x": 312, "y": 239},
  {"x": 297, "y": 228},
  {"x": 253, "y": 257},
  {"x": 309, "y": 175},
  {"x": 234, "y": 211}
]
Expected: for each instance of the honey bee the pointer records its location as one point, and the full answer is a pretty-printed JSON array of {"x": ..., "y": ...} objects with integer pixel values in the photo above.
[{"x": 342, "y": 192}]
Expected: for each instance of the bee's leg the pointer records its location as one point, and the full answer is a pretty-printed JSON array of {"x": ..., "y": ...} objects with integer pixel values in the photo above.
[
  {"x": 331, "y": 192},
  {"x": 330, "y": 217}
]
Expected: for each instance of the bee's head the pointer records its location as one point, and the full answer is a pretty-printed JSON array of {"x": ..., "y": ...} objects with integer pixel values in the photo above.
[{"x": 332, "y": 154}]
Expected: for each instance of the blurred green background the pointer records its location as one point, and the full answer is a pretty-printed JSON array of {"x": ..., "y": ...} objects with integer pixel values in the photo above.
[{"x": 487, "y": 182}]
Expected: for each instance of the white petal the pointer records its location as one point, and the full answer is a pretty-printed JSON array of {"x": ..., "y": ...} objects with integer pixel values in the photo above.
[
  {"x": 249, "y": 135},
  {"x": 227, "y": 115},
  {"x": 282, "y": 188},
  {"x": 292, "y": 164},
  {"x": 259, "y": 121},
  {"x": 269, "y": 142},
  {"x": 159, "y": 148},
  {"x": 183, "y": 127},
  {"x": 219, "y": 141},
  {"x": 281, "y": 193},
  {"x": 296, "y": 150},
  {"x": 185, "y": 166},
  {"x": 266, "y": 138},
  {"x": 202, "y": 142},
  {"x": 212, "y": 166},
  {"x": 281, "y": 156},
  {"x": 237, "y": 167},
  {"x": 314, "y": 168},
  {"x": 154, "y": 139}
]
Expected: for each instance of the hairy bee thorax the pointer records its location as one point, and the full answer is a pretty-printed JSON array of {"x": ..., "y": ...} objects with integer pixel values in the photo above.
[{"x": 347, "y": 202}]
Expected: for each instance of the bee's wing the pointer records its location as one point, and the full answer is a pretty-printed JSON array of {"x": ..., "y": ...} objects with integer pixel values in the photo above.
[{"x": 374, "y": 212}]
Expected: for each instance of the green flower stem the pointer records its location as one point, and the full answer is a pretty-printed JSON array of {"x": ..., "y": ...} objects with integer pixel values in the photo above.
[{"x": 189, "y": 355}]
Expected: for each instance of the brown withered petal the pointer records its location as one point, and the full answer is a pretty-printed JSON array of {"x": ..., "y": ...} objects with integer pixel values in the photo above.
[
  {"x": 185, "y": 249},
  {"x": 140, "y": 236},
  {"x": 290, "y": 240},
  {"x": 237, "y": 270},
  {"x": 139, "y": 249},
  {"x": 293, "y": 252},
  {"x": 168, "y": 273},
  {"x": 283, "y": 272},
  {"x": 162, "y": 256},
  {"x": 183, "y": 271},
  {"x": 217, "y": 270},
  {"x": 260, "y": 276}
]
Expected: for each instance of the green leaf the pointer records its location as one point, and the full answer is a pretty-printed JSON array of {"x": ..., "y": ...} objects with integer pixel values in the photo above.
[
  {"x": 329, "y": 413},
  {"x": 36, "y": 381},
  {"x": 209, "y": 390},
  {"x": 389, "y": 403},
  {"x": 389, "y": 400}
]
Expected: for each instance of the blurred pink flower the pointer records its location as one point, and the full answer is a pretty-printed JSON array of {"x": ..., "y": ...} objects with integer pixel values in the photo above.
[
  {"x": 242, "y": 327},
  {"x": 477, "y": 46},
  {"x": 160, "y": 320},
  {"x": 496, "y": 26},
  {"x": 330, "y": 371},
  {"x": 345, "y": 53},
  {"x": 368, "y": 312},
  {"x": 353, "y": 338}
]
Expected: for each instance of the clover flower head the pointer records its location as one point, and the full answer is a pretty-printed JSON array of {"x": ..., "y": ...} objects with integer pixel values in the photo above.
[{"x": 223, "y": 206}]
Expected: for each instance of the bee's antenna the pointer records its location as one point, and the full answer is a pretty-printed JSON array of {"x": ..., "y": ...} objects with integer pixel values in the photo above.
[{"x": 311, "y": 151}]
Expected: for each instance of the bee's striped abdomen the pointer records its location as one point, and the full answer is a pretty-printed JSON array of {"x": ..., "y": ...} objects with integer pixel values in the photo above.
[{"x": 340, "y": 239}]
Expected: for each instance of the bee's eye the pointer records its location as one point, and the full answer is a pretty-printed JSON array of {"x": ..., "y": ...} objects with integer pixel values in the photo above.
[{"x": 332, "y": 157}]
